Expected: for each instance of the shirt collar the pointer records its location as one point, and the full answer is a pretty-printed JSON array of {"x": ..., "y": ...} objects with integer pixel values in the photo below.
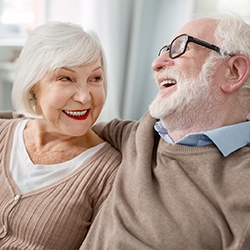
[{"x": 227, "y": 139}]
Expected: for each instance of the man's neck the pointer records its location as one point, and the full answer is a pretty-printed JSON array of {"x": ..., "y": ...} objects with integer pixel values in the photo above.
[
  {"x": 178, "y": 134},
  {"x": 181, "y": 129}
]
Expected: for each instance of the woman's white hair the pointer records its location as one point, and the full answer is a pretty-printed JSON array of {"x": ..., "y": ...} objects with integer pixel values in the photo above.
[{"x": 50, "y": 47}]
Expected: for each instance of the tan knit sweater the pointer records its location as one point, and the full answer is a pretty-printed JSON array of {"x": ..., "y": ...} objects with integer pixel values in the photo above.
[
  {"x": 172, "y": 197},
  {"x": 57, "y": 216}
]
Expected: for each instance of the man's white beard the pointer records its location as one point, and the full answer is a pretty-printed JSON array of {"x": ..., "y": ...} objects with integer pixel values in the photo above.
[{"x": 192, "y": 100}]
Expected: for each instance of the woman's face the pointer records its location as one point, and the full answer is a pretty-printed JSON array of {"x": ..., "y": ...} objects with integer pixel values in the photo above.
[{"x": 70, "y": 99}]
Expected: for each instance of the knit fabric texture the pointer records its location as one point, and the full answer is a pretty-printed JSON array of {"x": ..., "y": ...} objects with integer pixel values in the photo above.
[
  {"x": 57, "y": 216},
  {"x": 172, "y": 197}
]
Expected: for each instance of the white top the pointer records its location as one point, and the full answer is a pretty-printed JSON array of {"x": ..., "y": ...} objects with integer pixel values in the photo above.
[{"x": 29, "y": 176}]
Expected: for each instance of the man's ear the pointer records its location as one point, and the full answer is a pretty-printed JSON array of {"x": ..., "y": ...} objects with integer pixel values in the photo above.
[{"x": 239, "y": 69}]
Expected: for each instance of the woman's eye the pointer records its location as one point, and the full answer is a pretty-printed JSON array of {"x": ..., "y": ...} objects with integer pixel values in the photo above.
[
  {"x": 96, "y": 79},
  {"x": 65, "y": 78}
]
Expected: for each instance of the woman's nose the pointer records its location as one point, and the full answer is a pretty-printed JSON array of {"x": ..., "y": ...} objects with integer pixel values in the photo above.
[
  {"x": 82, "y": 94},
  {"x": 162, "y": 61}
]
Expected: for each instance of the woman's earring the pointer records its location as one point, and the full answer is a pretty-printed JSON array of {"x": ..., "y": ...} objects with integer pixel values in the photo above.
[{"x": 31, "y": 96}]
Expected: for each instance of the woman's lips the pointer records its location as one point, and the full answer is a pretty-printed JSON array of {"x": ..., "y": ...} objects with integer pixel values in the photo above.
[{"x": 77, "y": 114}]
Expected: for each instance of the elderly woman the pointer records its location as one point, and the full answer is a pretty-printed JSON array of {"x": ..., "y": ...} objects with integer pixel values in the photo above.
[{"x": 55, "y": 172}]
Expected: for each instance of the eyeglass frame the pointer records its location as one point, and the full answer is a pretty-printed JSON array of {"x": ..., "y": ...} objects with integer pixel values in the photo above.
[{"x": 194, "y": 40}]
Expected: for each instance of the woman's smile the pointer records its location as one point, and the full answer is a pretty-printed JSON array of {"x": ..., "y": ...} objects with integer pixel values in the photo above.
[{"x": 77, "y": 114}]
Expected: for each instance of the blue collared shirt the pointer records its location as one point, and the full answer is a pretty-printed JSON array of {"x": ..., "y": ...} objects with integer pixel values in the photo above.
[{"x": 227, "y": 139}]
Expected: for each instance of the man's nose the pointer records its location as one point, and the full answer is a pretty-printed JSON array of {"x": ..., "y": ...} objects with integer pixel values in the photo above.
[{"x": 162, "y": 61}]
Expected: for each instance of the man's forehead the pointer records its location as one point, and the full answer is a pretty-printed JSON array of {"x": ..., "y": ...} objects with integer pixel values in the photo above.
[{"x": 202, "y": 28}]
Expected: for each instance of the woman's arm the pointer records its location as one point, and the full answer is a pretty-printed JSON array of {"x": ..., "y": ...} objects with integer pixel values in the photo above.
[{"x": 7, "y": 114}]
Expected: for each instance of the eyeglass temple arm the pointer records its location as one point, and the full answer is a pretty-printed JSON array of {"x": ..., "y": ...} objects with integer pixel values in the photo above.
[{"x": 209, "y": 45}]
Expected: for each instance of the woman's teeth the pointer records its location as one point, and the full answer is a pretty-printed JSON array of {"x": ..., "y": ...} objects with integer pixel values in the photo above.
[
  {"x": 76, "y": 113},
  {"x": 167, "y": 83}
]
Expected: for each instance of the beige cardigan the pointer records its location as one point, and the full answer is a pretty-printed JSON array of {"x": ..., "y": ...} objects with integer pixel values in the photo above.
[
  {"x": 172, "y": 197},
  {"x": 56, "y": 216}
]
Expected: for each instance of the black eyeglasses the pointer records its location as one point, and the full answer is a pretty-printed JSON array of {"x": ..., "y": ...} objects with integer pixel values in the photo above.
[{"x": 179, "y": 45}]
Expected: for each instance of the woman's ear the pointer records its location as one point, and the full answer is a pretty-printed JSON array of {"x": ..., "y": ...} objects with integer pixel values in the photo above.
[
  {"x": 33, "y": 99},
  {"x": 239, "y": 69}
]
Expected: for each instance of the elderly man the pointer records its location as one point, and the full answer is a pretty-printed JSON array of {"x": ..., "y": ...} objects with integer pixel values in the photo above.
[{"x": 184, "y": 182}]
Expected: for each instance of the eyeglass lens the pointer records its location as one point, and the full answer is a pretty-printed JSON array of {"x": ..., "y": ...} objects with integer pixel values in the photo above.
[{"x": 177, "y": 46}]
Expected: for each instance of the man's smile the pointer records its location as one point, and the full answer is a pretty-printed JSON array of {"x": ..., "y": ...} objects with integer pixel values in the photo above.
[{"x": 167, "y": 83}]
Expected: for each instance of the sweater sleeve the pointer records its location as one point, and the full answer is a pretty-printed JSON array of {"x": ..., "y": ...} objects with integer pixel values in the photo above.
[
  {"x": 115, "y": 132},
  {"x": 7, "y": 114},
  {"x": 106, "y": 190}
]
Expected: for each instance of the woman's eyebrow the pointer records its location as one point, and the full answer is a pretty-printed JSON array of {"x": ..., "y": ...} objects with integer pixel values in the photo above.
[
  {"x": 65, "y": 68},
  {"x": 99, "y": 67}
]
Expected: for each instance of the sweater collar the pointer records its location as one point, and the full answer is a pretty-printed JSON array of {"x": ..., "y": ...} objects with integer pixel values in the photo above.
[{"x": 227, "y": 139}]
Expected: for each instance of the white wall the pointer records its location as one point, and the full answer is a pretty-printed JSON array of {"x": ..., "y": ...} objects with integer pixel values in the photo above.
[{"x": 131, "y": 31}]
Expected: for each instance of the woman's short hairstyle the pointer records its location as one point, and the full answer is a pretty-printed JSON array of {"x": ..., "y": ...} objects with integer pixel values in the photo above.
[{"x": 50, "y": 47}]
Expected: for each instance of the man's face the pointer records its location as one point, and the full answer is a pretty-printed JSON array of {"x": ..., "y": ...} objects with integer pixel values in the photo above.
[
  {"x": 183, "y": 82},
  {"x": 189, "y": 94}
]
